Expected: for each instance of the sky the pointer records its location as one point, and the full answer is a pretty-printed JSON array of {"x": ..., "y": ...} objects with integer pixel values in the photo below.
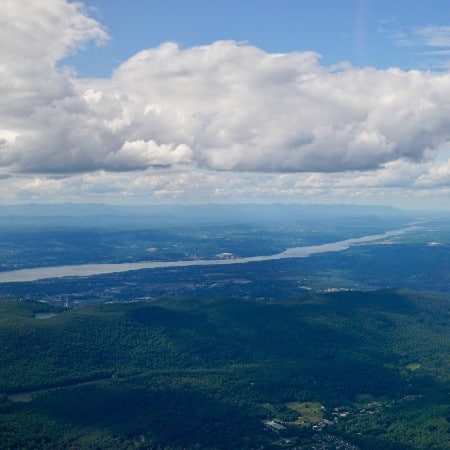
[{"x": 256, "y": 101}]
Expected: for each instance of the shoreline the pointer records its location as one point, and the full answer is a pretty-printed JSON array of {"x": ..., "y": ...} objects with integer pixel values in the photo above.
[{"x": 84, "y": 270}]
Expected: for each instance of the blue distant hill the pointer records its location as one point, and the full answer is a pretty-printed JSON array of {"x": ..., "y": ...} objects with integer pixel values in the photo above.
[{"x": 77, "y": 214}]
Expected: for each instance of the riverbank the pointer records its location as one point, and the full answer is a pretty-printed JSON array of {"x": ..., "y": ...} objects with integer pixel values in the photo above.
[{"x": 83, "y": 270}]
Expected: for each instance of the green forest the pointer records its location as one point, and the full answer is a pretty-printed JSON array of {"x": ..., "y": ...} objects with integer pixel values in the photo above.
[{"x": 362, "y": 369}]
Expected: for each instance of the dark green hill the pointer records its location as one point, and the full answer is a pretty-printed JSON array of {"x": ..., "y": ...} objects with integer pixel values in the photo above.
[{"x": 205, "y": 373}]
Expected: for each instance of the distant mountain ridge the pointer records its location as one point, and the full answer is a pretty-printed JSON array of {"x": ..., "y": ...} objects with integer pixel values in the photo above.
[{"x": 74, "y": 213}]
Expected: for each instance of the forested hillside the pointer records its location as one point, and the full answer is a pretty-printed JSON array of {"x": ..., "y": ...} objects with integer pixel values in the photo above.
[{"x": 368, "y": 369}]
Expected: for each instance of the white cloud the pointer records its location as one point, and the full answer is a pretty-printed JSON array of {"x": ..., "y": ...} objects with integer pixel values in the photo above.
[
  {"x": 34, "y": 36},
  {"x": 39, "y": 107},
  {"x": 240, "y": 108},
  {"x": 143, "y": 154},
  {"x": 199, "y": 111},
  {"x": 424, "y": 36},
  {"x": 432, "y": 41},
  {"x": 227, "y": 106},
  {"x": 433, "y": 36},
  {"x": 437, "y": 175},
  {"x": 203, "y": 186}
]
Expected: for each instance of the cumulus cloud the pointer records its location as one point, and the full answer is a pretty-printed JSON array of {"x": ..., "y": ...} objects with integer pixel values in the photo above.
[
  {"x": 240, "y": 108},
  {"x": 40, "y": 109},
  {"x": 437, "y": 175},
  {"x": 206, "y": 186},
  {"x": 141, "y": 155},
  {"x": 34, "y": 36},
  {"x": 220, "y": 107}
]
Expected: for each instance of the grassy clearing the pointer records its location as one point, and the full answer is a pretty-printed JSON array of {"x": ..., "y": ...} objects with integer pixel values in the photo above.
[
  {"x": 414, "y": 367},
  {"x": 310, "y": 413}
]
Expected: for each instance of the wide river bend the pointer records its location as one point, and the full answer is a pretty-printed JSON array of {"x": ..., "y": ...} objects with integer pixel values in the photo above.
[{"x": 83, "y": 270}]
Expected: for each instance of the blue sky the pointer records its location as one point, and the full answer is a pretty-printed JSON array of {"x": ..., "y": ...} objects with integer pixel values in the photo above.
[
  {"x": 172, "y": 101},
  {"x": 363, "y": 32}
]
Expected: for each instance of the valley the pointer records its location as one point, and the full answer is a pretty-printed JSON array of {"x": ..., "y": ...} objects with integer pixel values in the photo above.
[{"x": 341, "y": 349}]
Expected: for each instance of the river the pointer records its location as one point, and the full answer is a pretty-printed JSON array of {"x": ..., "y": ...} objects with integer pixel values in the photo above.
[{"x": 83, "y": 270}]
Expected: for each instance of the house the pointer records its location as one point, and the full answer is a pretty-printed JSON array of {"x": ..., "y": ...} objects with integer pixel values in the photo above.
[{"x": 274, "y": 425}]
